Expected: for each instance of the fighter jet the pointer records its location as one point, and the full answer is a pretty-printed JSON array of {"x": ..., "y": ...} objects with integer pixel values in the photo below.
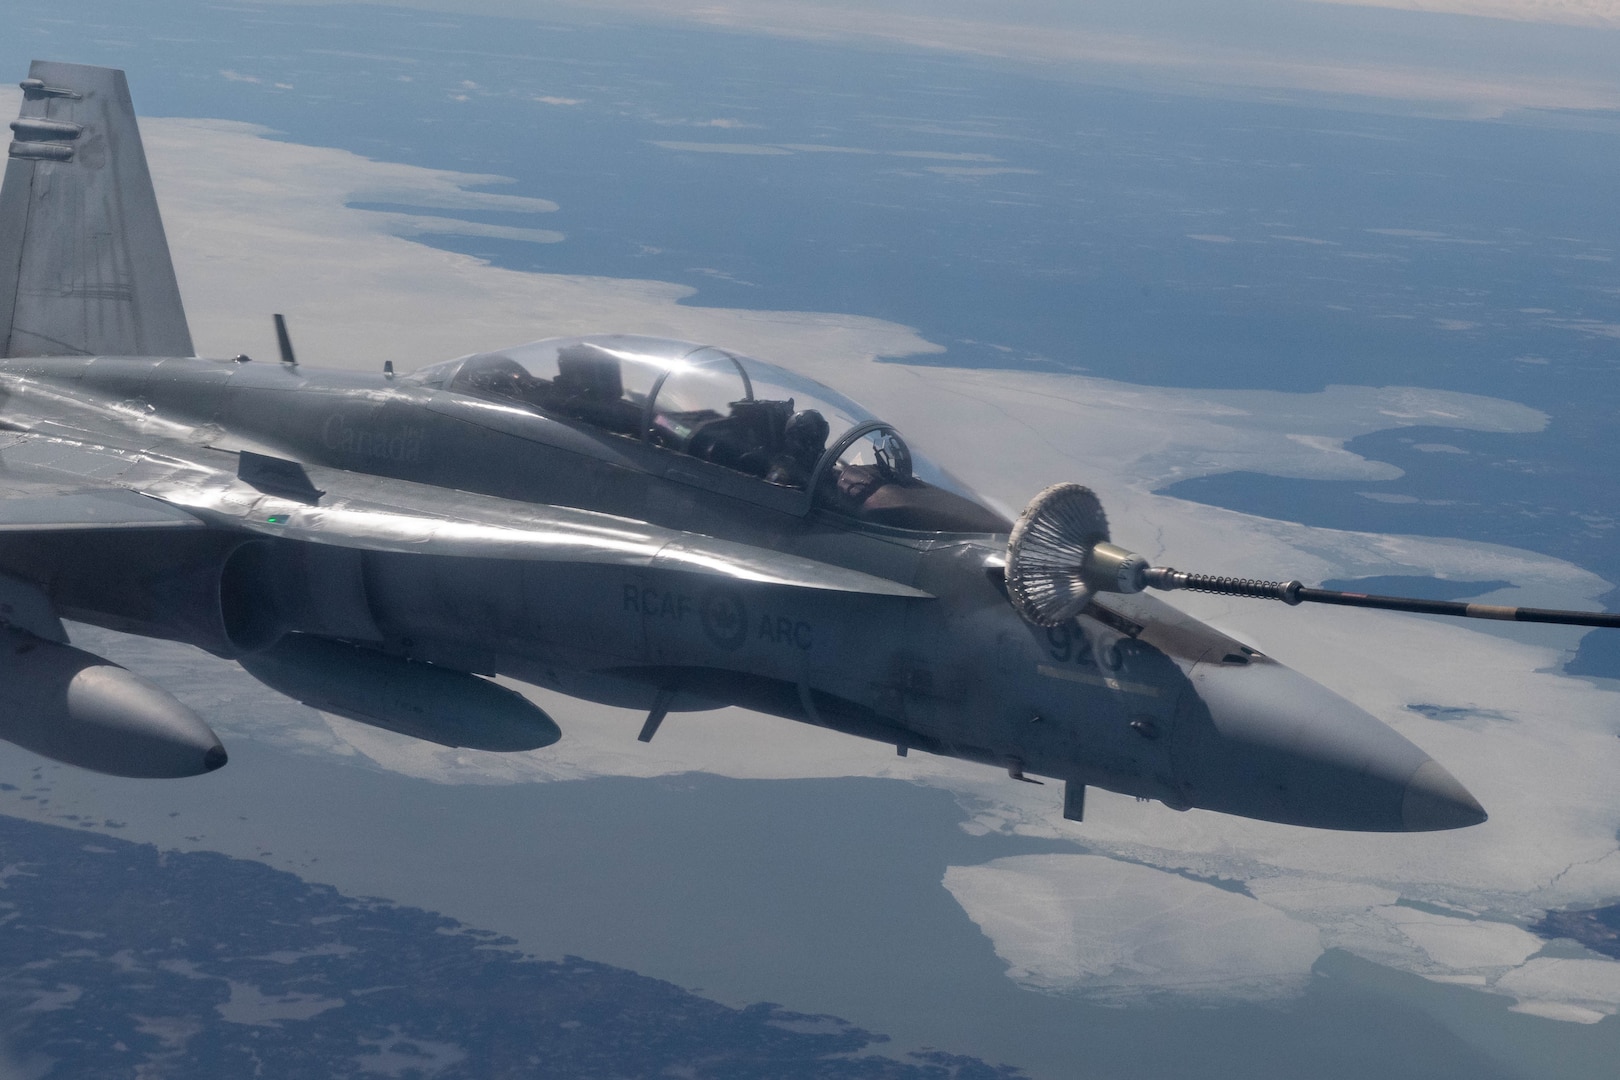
[{"x": 658, "y": 525}]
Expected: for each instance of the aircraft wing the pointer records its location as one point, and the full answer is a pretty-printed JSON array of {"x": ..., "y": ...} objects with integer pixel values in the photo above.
[
  {"x": 42, "y": 510},
  {"x": 61, "y": 471},
  {"x": 61, "y": 482},
  {"x": 41, "y": 491},
  {"x": 372, "y": 513}
]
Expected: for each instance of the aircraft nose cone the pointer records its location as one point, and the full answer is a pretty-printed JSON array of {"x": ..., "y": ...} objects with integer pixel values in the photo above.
[
  {"x": 1264, "y": 741},
  {"x": 1434, "y": 800}
]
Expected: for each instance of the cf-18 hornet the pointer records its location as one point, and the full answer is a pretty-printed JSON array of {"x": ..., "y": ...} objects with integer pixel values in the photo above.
[{"x": 657, "y": 525}]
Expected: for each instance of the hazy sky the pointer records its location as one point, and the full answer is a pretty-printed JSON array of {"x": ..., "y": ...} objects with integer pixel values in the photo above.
[{"x": 1469, "y": 57}]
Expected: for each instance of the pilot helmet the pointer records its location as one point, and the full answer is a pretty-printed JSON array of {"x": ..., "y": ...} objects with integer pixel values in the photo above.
[{"x": 806, "y": 429}]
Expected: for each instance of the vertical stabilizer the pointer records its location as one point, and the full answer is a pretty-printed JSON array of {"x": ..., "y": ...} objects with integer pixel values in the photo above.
[{"x": 84, "y": 265}]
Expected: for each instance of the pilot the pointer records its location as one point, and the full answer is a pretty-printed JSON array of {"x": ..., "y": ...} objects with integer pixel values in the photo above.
[
  {"x": 589, "y": 386},
  {"x": 804, "y": 440}
]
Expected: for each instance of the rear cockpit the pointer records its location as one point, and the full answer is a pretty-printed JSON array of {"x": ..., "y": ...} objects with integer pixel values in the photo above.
[{"x": 735, "y": 413}]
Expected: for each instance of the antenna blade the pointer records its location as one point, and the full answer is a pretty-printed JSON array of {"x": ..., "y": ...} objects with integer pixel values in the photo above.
[{"x": 284, "y": 342}]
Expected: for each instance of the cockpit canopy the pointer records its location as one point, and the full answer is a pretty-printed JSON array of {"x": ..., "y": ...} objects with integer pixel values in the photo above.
[{"x": 733, "y": 411}]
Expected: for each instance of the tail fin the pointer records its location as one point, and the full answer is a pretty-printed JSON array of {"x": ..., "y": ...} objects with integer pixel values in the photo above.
[{"x": 84, "y": 265}]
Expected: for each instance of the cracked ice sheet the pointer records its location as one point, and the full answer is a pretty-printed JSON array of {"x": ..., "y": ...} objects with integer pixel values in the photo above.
[
  {"x": 1583, "y": 991},
  {"x": 259, "y": 225},
  {"x": 1126, "y": 931}
]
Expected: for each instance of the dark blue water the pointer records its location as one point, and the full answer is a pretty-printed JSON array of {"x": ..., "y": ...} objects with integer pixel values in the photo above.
[
  {"x": 1596, "y": 928},
  {"x": 1338, "y": 247}
]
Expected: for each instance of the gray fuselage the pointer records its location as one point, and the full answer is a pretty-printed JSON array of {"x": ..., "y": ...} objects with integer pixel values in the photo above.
[{"x": 1132, "y": 695}]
